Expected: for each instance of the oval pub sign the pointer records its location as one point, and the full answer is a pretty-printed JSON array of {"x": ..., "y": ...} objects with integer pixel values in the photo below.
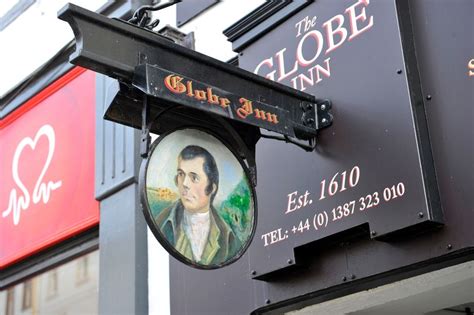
[{"x": 197, "y": 198}]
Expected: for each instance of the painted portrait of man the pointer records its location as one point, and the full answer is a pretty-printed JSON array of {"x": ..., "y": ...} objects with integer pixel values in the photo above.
[{"x": 192, "y": 224}]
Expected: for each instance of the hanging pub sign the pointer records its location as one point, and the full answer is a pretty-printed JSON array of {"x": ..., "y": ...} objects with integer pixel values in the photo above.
[
  {"x": 197, "y": 194},
  {"x": 197, "y": 198},
  {"x": 372, "y": 174}
]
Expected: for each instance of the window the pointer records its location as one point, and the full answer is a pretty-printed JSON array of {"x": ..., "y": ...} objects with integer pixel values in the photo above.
[
  {"x": 41, "y": 294},
  {"x": 10, "y": 303},
  {"x": 52, "y": 283},
  {"x": 27, "y": 295},
  {"x": 82, "y": 270}
]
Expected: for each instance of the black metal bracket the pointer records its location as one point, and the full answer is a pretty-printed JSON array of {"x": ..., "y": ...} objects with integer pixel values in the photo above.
[
  {"x": 323, "y": 114},
  {"x": 147, "y": 125},
  {"x": 311, "y": 112},
  {"x": 316, "y": 115},
  {"x": 143, "y": 60},
  {"x": 145, "y": 136}
]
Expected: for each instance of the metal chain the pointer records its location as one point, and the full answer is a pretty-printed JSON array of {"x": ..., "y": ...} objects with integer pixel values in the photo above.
[{"x": 142, "y": 17}]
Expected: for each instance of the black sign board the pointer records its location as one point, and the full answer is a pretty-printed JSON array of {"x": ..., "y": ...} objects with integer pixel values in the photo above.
[
  {"x": 373, "y": 168},
  {"x": 177, "y": 89},
  {"x": 379, "y": 128}
]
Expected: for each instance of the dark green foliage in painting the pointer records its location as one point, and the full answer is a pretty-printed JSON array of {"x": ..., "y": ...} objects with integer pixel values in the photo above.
[{"x": 236, "y": 210}]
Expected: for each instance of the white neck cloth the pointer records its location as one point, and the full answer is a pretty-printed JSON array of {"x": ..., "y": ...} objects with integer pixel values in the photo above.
[{"x": 196, "y": 226}]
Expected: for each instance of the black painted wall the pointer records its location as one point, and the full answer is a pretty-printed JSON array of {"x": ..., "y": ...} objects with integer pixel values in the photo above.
[{"x": 442, "y": 37}]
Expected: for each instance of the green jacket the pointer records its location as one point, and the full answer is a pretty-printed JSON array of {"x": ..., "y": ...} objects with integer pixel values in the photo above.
[{"x": 222, "y": 243}]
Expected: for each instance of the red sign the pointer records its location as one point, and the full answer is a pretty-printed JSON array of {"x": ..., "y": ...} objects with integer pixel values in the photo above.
[{"x": 47, "y": 168}]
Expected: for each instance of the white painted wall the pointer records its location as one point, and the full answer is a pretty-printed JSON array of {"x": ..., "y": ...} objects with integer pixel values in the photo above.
[
  {"x": 209, "y": 25},
  {"x": 33, "y": 38},
  {"x": 75, "y": 295},
  {"x": 423, "y": 294}
]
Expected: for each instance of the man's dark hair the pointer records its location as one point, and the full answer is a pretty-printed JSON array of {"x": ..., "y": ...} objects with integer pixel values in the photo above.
[{"x": 210, "y": 167}]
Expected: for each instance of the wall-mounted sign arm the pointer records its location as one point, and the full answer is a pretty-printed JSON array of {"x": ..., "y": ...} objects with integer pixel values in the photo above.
[{"x": 148, "y": 63}]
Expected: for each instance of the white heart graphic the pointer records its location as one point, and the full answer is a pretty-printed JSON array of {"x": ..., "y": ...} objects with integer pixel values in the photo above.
[{"x": 17, "y": 203}]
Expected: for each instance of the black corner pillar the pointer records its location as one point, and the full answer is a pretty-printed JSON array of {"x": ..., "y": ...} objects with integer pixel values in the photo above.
[{"x": 123, "y": 287}]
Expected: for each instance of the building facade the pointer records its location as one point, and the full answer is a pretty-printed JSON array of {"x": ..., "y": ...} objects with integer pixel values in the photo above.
[{"x": 372, "y": 216}]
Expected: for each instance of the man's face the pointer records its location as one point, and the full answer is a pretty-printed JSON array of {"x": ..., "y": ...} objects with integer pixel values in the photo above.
[{"x": 192, "y": 183}]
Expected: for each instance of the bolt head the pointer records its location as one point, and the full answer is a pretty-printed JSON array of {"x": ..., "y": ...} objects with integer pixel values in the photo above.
[
  {"x": 428, "y": 97},
  {"x": 253, "y": 272},
  {"x": 289, "y": 261},
  {"x": 421, "y": 215},
  {"x": 399, "y": 71},
  {"x": 449, "y": 247},
  {"x": 323, "y": 107},
  {"x": 267, "y": 301},
  {"x": 324, "y": 120},
  {"x": 344, "y": 279},
  {"x": 353, "y": 277},
  {"x": 373, "y": 233}
]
